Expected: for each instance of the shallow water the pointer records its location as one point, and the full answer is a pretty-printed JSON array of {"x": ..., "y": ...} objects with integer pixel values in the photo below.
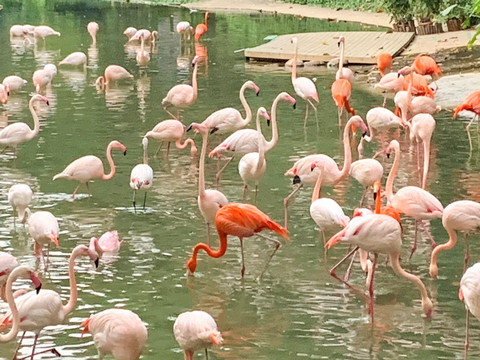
[{"x": 298, "y": 310}]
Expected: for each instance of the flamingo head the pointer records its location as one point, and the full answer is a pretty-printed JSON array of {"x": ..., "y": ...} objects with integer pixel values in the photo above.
[
  {"x": 287, "y": 97},
  {"x": 199, "y": 128},
  {"x": 406, "y": 70},
  {"x": 393, "y": 146},
  {"x": 37, "y": 284},
  {"x": 341, "y": 40},
  {"x": 191, "y": 266},
  {"x": 361, "y": 212},
  {"x": 294, "y": 40},
  {"x": 95, "y": 252},
  {"x": 253, "y": 86},
  {"x": 263, "y": 112},
  {"x": 195, "y": 60},
  {"x": 38, "y": 97},
  {"x": 118, "y": 145},
  {"x": 357, "y": 122},
  {"x": 335, "y": 239},
  {"x": 376, "y": 189},
  {"x": 54, "y": 238}
]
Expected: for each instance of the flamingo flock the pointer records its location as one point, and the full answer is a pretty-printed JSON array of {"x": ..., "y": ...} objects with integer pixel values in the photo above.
[{"x": 120, "y": 332}]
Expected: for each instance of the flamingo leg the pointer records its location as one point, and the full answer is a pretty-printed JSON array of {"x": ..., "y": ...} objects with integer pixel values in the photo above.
[
  {"x": 468, "y": 132},
  {"x": 243, "y": 257},
  {"x": 314, "y": 109},
  {"x": 277, "y": 245},
  {"x": 370, "y": 288},
  {"x": 158, "y": 150},
  {"x": 208, "y": 234},
  {"x": 219, "y": 173},
  {"x": 144, "y": 200},
  {"x": 169, "y": 113},
  {"x": 88, "y": 189},
  {"x": 419, "y": 170},
  {"x": 363, "y": 196},
  {"x": 20, "y": 344},
  {"x": 75, "y": 191},
  {"x": 134, "y": 204},
  {"x": 467, "y": 332},
  {"x": 346, "y": 277},
  {"x": 285, "y": 204},
  {"x": 306, "y": 116},
  {"x": 168, "y": 149},
  {"x": 256, "y": 192},
  {"x": 414, "y": 247},
  {"x": 384, "y": 99},
  {"x": 432, "y": 240},
  {"x": 245, "y": 190},
  {"x": 467, "y": 253}
]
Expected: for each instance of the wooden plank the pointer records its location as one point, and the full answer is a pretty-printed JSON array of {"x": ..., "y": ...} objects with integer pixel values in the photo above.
[{"x": 361, "y": 47}]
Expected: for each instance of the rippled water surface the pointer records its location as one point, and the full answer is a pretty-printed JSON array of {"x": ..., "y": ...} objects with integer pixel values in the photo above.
[{"x": 298, "y": 311}]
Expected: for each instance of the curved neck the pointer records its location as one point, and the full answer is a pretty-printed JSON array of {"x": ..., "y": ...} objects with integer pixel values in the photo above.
[
  {"x": 294, "y": 65},
  {"x": 194, "y": 79},
  {"x": 13, "y": 308},
  {"x": 347, "y": 151},
  {"x": 192, "y": 263},
  {"x": 317, "y": 189},
  {"x": 378, "y": 201},
  {"x": 36, "y": 121},
  {"x": 142, "y": 45},
  {"x": 145, "y": 154},
  {"x": 452, "y": 240},
  {"x": 340, "y": 63},
  {"x": 273, "y": 141},
  {"x": 187, "y": 142},
  {"x": 72, "y": 301},
  {"x": 261, "y": 145},
  {"x": 248, "y": 110},
  {"x": 201, "y": 166},
  {"x": 110, "y": 163},
  {"x": 426, "y": 161},
  {"x": 391, "y": 176}
]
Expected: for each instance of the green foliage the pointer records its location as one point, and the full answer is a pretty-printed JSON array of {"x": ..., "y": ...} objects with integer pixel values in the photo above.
[{"x": 475, "y": 12}]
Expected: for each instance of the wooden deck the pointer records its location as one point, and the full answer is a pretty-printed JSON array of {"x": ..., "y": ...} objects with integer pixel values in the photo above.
[{"x": 361, "y": 47}]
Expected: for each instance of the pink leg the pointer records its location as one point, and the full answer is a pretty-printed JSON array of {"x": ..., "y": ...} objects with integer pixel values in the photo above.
[
  {"x": 285, "y": 204},
  {"x": 277, "y": 245},
  {"x": 219, "y": 173},
  {"x": 243, "y": 258},
  {"x": 432, "y": 240},
  {"x": 370, "y": 290},
  {"x": 414, "y": 247},
  {"x": 467, "y": 253}
]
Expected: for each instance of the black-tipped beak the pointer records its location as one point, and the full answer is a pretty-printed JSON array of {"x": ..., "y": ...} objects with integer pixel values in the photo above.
[
  {"x": 294, "y": 106},
  {"x": 388, "y": 155},
  {"x": 268, "y": 122},
  {"x": 48, "y": 103},
  {"x": 96, "y": 262},
  {"x": 125, "y": 153},
  {"x": 364, "y": 134},
  {"x": 296, "y": 180},
  {"x": 189, "y": 127},
  {"x": 399, "y": 74},
  {"x": 38, "y": 288},
  {"x": 258, "y": 92},
  {"x": 374, "y": 196}
]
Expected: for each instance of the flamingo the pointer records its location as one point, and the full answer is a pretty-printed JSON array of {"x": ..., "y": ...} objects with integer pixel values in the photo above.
[
  {"x": 304, "y": 87},
  {"x": 426, "y": 65},
  {"x": 143, "y": 57},
  {"x": 17, "y": 272},
  {"x": 420, "y": 85},
  {"x": 112, "y": 73},
  {"x": 46, "y": 308},
  {"x": 18, "y": 133},
  {"x": 412, "y": 201},
  {"x": 302, "y": 169},
  {"x": 209, "y": 200},
  {"x": 462, "y": 215},
  {"x": 18, "y": 31},
  {"x": 244, "y": 141},
  {"x": 421, "y": 131},
  {"x": 471, "y": 103},
  {"x": 171, "y": 130},
  {"x": 379, "y": 234},
  {"x": 77, "y": 58},
  {"x": 43, "y": 228},
  {"x": 43, "y": 31},
  {"x": 90, "y": 167},
  {"x": 4, "y": 93},
  {"x": 252, "y": 166},
  {"x": 325, "y": 212},
  {"x": 230, "y": 119},
  {"x": 202, "y": 28},
  {"x": 117, "y": 332},
  {"x": 141, "y": 177},
  {"x": 109, "y": 242},
  {"x": 148, "y": 35},
  {"x": 182, "y": 96},
  {"x": 129, "y": 32},
  {"x": 242, "y": 220},
  {"x": 19, "y": 197},
  {"x": 343, "y": 73},
  {"x": 8, "y": 262},
  {"x": 341, "y": 93},
  {"x": 43, "y": 77},
  {"x": 469, "y": 292},
  {"x": 391, "y": 82},
  {"x": 184, "y": 28},
  {"x": 195, "y": 330},
  {"x": 384, "y": 62},
  {"x": 14, "y": 83},
  {"x": 366, "y": 172},
  {"x": 92, "y": 29}
]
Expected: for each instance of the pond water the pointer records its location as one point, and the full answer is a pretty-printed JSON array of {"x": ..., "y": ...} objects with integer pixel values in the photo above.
[{"x": 298, "y": 311}]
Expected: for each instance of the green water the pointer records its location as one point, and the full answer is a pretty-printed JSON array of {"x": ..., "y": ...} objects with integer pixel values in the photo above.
[{"x": 298, "y": 311}]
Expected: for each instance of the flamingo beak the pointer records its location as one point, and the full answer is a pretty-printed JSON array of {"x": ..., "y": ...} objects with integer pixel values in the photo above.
[
  {"x": 460, "y": 294},
  {"x": 296, "y": 180},
  {"x": 96, "y": 262},
  {"x": 354, "y": 128},
  {"x": 125, "y": 152},
  {"x": 335, "y": 239},
  {"x": 54, "y": 239},
  {"x": 36, "y": 282}
]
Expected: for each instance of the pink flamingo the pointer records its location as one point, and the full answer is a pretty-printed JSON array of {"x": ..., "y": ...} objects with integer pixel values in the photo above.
[
  {"x": 469, "y": 292},
  {"x": 92, "y": 28},
  {"x": 43, "y": 77},
  {"x": 343, "y": 73},
  {"x": 195, "y": 330},
  {"x": 390, "y": 83},
  {"x": 379, "y": 234},
  {"x": 43, "y": 228},
  {"x": 43, "y": 31},
  {"x": 117, "y": 332},
  {"x": 325, "y": 212},
  {"x": 143, "y": 56},
  {"x": 242, "y": 220},
  {"x": 252, "y": 166},
  {"x": 112, "y": 73},
  {"x": 366, "y": 172},
  {"x": 302, "y": 169},
  {"x": 209, "y": 200},
  {"x": 171, "y": 131},
  {"x": 4, "y": 93},
  {"x": 230, "y": 119},
  {"x": 202, "y": 28},
  {"x": 19, "y": 31},
  {"x": 46, "y": 308},
  {"x": 141, "y": 177},
  {"x": 462, "y": 215},
  {"x": 244, "y": 141},
  {"x": 90, "y": 167},
  {"x": 184, "y": 28},
  {"x": 148, "y": 35},
  {"x": 412, "y": 201},
  {"x": 19, "y": 197},
  {"x": 182, "y": 96},
  {"x": 129, "y": 32},
  {"x": 75, "y": 59},
  {"x": 7, "y": 264},
  {"x": 304, "y": 87},
  {"x": 19, "y": 132},
  {"x": 341, "y": 92},
  {"x": 14, "y": 83},
  {"x": 17, "y": 272},
  {"x": 421, "y": 131},
  {"x": 109, "y": 242}
]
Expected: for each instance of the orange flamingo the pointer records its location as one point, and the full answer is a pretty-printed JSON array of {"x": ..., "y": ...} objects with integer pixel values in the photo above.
[
  {"x": 384, "y": 63},
  {"x": 341, "y": 92},
  {"x": 426, "y": 65},
  {"x": 471, "y": 103},
  {"x": 242, "y": 220},
  {"x": 419, "y": 84},
  {"x": 201, "y": 29}
]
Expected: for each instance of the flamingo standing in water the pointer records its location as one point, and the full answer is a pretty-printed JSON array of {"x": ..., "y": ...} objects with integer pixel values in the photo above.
[
  {"x": 18, "y": 133},
  {"x": 90, "y": 167},
  {"x": 469, "y": 292},
  {"x": 141, "y": 177},
  {"x": 92, "y": 29},
  {"x": 379, "y": 234},
  {"x": 20, "y": 271},
  {"x": 77, "y": 58},
  {"x": 343, "y": 73},
  {"x": 109, "y": 242},
  {"x": 143, "y": 56},
  {"x": 242, "y": 220},
  {"x": 130, "y": 32},
  {"x": 46, "y": 308},
  {"x": 302, "y": 169},
  {"x": 117, "y": 332},
  {"x": 185, "y": 29},
  {"x": 196, "y": 330},
  {"x": 462, "y": 215},
  {"x": 43, "y": 228},
  {"x": 169, "y": 131},
  {"x": 112, "y": 73},
  {"x": 182, "y": 96},
  {"x": 209, "y": 200},
  {"x": 43, "y": 77},
  {"x": 8, "y": 262},
  {"x": 230, "y": 119},
  {"x": 341, "y": 93},
  {"x": 384, "y": 63},
  {"x": 43, "y": 31},
  {"x": 14, "y": 83},
  {"x": 471, "y": 103},
  {"x": 366, "y": 172},
  {"x": 20, "y": 197},
  {"x": 391, "y": 82},
  {"x": 304, "y": 87},
  {"x": 201, "y": 28},
  {"x": 4, "y": 93},
  {"x": 412, "y": 201}
]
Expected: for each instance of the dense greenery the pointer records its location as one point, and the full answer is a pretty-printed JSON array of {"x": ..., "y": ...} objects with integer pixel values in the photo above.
[{"x": 475, "y": 11}]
